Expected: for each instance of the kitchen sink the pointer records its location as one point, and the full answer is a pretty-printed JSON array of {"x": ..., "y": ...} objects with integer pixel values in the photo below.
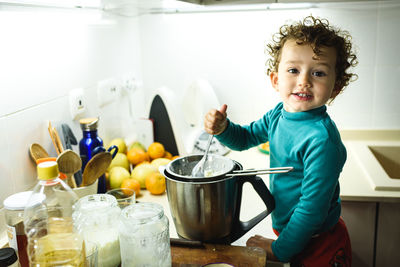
[
  {"x": 389, "y": 158},
  {"x": 380, "y": 162}
]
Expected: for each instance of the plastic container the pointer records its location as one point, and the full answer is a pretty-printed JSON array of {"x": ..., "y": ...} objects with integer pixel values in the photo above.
[
  {"x": 144, "y": 236},
  {"x": 8, "y": 257},
  {"x": 90, "y": 140},
  {"x": 52, "y": 240},
  {"x": 14, "y": 206},
  {"x": 96, "y": 217}
]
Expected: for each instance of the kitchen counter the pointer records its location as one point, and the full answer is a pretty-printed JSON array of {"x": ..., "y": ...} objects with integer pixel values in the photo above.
[{"x": 353, "y": 181}]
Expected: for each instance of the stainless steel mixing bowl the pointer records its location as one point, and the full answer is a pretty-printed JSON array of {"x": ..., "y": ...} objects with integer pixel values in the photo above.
[{"x": 208, "y": 208}]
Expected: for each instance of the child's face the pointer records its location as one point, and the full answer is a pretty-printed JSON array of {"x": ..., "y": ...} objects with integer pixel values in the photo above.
[{"x": 302, "y": 81}]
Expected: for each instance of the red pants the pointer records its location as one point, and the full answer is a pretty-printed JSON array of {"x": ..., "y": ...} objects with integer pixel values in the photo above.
[{"x": 331, "y": 248}]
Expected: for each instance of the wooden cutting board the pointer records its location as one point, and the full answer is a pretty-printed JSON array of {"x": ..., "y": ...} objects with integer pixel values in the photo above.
[{"x": 199, "y": 255}]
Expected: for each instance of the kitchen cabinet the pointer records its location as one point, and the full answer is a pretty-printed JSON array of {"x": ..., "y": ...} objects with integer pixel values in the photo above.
[
  {"x": 388, "y": 235},
  {"x": 374, "y": 232},
  {"x": 360, "y": 220}
]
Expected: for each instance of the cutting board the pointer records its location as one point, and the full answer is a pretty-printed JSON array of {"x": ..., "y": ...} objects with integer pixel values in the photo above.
[{"x": 201, "y": 254}]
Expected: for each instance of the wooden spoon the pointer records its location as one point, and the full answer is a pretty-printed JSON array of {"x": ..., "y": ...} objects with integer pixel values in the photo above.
[
  {"x": 96, "y": 167},
  {"x": 69, "y": 163},
  {"x": 37, "y": 152}
]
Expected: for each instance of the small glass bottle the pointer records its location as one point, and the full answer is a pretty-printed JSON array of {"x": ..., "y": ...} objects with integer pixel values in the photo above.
[
  {"x": 90, "y": 140},
  {"x": 48, "y": 223},
  {"x": 8, "y": 257},
  {"x": 96, "y": 218},
  {"x": 144, "y": 236},
  {"x": 14, "y": 206}
]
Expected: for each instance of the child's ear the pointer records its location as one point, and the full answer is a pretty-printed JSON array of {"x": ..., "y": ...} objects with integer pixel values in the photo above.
[{"x": 274, "y": 79}]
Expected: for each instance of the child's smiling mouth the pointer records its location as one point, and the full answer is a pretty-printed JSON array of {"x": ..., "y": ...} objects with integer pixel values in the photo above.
[{"x": 302, "y": 96}]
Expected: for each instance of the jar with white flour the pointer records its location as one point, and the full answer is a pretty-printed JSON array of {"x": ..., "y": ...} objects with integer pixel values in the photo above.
[{"x": 96, "y": 218}]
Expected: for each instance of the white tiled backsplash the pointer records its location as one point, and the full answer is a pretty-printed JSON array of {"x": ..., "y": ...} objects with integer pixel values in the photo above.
[{"x": 46, "y": 53}]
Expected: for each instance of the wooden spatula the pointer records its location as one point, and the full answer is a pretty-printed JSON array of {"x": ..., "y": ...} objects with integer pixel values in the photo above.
[
  {"x": 69, "y": 163},
  {"x": 96, "y": 167},
  {"x": 37, "y": 152}
]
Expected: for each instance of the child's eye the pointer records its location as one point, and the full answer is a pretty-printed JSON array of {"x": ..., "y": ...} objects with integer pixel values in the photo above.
[
  {"x": 319, "y": 73},
  {"x": 293, "y": 70}
]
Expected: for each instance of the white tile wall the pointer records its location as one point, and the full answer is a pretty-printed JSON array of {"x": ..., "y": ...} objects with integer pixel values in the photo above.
[
  {"x": 44, "y": 54},
  {"x": 227, "y": 48}
]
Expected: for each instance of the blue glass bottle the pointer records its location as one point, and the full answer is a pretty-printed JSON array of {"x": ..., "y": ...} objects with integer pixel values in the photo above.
[{"x": 88, "y": 143}]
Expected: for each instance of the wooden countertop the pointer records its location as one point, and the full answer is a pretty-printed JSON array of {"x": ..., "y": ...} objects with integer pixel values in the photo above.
[{"x": 196, "y": 256}]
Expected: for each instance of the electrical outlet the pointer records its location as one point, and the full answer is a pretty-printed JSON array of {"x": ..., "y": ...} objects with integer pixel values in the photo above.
[
  {"x": 128, "y": 83},
  {"x": 77, "y": 103},
  {"x": 107, "y": 91}
]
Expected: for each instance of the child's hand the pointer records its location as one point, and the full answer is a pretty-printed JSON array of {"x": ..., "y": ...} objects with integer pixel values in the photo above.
[
  {"x": 215, "y": 120},
  {"x": 264, "y": 243}
]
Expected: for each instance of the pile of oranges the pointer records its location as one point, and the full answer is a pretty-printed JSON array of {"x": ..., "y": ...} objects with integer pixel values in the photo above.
[{"x": 144, "y": 173}]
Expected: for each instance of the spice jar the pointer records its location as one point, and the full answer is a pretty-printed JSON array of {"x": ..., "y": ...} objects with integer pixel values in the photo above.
[
  {"x": 144, "y": 236},
  {"x": 96, "y": 219},
  {"x": 14, "y": 206}
]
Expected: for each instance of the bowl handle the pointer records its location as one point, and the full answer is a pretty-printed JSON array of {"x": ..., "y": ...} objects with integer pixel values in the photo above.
[{"x": 239, "y": 227}]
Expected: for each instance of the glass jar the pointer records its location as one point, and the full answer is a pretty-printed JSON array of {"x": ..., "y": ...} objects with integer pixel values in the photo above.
[
  {"x": 14, "y": 206},
  {"x": 96, "y": 217},
  {"x": 144, "y": 236}
]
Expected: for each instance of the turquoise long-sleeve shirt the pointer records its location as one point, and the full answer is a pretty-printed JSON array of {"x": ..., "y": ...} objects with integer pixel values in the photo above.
[{"x": 307, "y": 199}]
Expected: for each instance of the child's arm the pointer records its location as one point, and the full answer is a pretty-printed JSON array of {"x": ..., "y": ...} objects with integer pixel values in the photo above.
[{"x": 264, "y": 243}]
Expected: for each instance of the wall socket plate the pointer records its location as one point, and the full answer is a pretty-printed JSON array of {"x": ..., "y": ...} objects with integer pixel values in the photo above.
[
  {"x": 108, "y": 90},
  {"x": 129, "y": 83},
  {"x": 77, "y": 103}
]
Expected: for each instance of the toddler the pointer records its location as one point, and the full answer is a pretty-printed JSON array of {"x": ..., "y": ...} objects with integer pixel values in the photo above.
[{"x": 309, "y": 67}]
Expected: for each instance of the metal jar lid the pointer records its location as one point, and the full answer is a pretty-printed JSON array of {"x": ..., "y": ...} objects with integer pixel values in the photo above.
[{"x": 89, "y": 124}]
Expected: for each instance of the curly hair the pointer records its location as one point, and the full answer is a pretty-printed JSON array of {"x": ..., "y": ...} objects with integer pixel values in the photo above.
[{"x": 317, "y": 33}]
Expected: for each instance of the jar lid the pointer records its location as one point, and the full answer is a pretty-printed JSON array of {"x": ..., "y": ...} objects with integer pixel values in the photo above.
[
  {"x": 17, "y": 201},
  {"x": 96, "y": 202},
  {"x": 7, "y": 256},
  {"x": 142, "y": 213},
  {"x": 89, "y": 124},
  {"x": 47, "y": 170}
]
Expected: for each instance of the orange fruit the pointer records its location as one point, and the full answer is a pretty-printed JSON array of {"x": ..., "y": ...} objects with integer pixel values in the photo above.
[
  {"x": 156, "y": 150},
  {"x": 155, "y": 183},
  {"x": 130, "y": 183},
  {"x": 137, "y": 155},
  {"x": 175, "y": 157},
  {"x": 167, "y": 155}
]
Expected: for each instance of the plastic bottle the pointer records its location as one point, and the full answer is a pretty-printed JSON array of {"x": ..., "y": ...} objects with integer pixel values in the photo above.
[
  {"x": 88, "y": 143},
  {"x": 52, "y": 240},
  {"x": 8, "y": 257}
]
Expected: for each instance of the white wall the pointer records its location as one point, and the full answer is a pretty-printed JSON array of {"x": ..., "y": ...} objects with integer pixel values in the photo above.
[
  {"x": 227, "y": 48},
  {"x": 45, "y": 53}
]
